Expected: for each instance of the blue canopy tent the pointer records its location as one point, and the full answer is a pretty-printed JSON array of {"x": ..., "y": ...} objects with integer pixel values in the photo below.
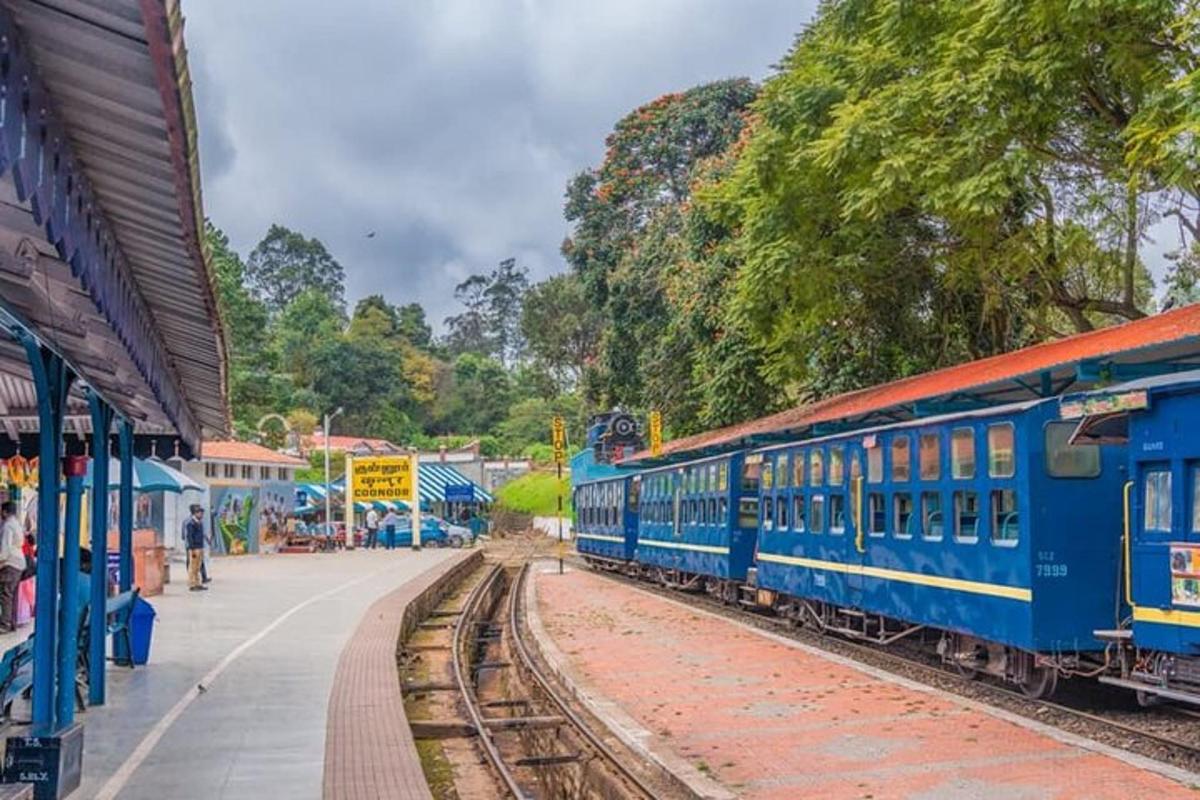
[{"x": 149, "y": 475}]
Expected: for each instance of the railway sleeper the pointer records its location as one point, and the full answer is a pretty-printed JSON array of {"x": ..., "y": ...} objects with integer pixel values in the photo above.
[
  {"x": 548, "y": 761},
  {"x": 523, "y": 723},
  {"x": 441, "y": 729}
]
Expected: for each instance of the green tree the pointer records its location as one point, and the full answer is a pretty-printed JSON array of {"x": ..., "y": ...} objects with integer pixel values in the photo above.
[
  {"x": 561, "y": 327},
  {"x": 411, "y": 324},
  {"x": 285, "y": 264},
  {"x": 507, "y": 285}
]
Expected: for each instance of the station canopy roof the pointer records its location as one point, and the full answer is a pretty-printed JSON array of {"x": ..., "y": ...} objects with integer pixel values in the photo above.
[
  {"x": 101, "y": 220},
  {"x": 1166, "y": 342}
]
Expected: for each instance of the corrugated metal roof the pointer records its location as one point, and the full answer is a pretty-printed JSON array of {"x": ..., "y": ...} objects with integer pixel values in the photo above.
[
  {"x": 1171, "y": 335},
  {"x": 116, "y": 72}
]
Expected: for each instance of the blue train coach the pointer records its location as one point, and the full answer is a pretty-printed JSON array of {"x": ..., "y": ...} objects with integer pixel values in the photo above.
[
  {"x": 987, "y": 527},
  {"x": 606, "y": 520},
  {"x": 698, "y": 523},
  {"x": 1159, "y": 634}
]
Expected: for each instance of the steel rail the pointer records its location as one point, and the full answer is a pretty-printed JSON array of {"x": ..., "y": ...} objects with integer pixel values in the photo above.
[
  {"x": 550, "y": 691},
  {"x": 467, "y": 622}
]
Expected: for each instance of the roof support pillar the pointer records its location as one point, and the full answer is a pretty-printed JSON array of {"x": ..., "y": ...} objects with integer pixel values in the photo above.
[
  {"x": 70, "y": 605},
  {"x": 52, "y": 380},
  {"x": 125, "y": 525},
  {"x": 102, "y": 417}
]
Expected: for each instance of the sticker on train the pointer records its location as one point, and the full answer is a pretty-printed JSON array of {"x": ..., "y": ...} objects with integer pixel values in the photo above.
[{"x": 1185, "y": 575}]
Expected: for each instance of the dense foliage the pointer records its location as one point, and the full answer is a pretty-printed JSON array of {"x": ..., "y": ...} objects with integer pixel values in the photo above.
[{"x": 917, "y": 184}]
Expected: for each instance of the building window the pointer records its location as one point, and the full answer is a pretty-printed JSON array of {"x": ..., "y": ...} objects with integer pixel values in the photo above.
[
  {"x": 876, "y": 514},
  {"x": 932, "y": 523},
  {"x": 902, "y": 516},
  {"x": 1006, "y": 523},
  {"x": 816, "y": 514},
  {"x": 966, "y": 516},
  {"x": 1158, "y": 500},
  {"x": 210, "y": 470},
  {"x": 901, "y": 459},
  {"x": 247, "y": 472},
  {"x": 230, "y": 471},
  {"x": 798, "y": 512},
  {"x": 874, "y": 464},
  {"x": 1064, "y": 460},
  {"x": 1002, "y": 462},
  {"x": 816, "y": 468},
  {"x": 962, "y": 454},
  {"x": 264, "y": 473},
  {"x": 836, "y": 472},
  {"x": 283, "y": 474},
  {"x": 930, "y": 456},
  {"x": 798, "y": 468}
]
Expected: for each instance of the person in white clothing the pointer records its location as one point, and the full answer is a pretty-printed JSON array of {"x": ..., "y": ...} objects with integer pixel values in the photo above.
[
  {"x": 12, "y": 564},
  {"x": 372, "y": 528}
]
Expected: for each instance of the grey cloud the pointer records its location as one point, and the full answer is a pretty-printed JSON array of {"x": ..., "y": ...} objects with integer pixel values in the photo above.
[{"x": 450, "y": 128}]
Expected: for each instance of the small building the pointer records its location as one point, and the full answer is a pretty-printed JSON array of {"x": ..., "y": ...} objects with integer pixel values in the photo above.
[{"x": 251, "y": 491}]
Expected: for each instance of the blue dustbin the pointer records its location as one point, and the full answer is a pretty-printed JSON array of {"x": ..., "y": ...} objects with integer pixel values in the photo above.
[{"x": 141, "y": 628}]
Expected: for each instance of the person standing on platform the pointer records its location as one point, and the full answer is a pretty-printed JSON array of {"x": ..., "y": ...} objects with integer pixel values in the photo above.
[
  {"x": 390, "y": 523},
  {"x": 193, "y": 537},
  {"x": 372, "y": 528},
  {"x": 12, "y": 564}
]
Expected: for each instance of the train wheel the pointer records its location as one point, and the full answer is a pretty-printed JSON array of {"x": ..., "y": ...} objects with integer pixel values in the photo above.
[
  {"x": 1147, "y": 699},
  {"x": 965, "y": 672},
  {"x": 1041, "y": 683}
]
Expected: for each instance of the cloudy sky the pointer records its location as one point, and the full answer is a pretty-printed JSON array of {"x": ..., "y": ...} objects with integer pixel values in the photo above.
[{"x": 450, "y": 128}]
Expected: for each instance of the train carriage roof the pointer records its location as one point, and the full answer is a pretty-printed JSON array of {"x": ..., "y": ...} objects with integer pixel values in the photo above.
[{"x": 1164, "y": 343}]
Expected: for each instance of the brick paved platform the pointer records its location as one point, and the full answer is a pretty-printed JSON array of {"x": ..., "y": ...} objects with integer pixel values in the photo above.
[
  {"x": 265, "y": 643},
  {"x": 770, "y": 718}
]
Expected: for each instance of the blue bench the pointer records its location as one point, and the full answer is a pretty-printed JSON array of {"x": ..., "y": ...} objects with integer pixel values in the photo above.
[{"x": 16, "y": 675}]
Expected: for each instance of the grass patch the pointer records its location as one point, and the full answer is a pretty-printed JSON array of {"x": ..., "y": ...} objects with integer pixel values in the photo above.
[
  {"x": 535, "y": 493},
  {"x": 438, "y": 772}
]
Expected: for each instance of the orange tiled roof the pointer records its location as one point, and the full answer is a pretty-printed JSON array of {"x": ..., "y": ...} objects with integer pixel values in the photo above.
[
  {"x": 1123, "y": 342},
  {"x": 247, "y": 451},
  {"x": 351, "y": 442}
]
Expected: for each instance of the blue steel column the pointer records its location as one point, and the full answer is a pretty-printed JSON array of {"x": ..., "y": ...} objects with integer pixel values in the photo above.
[
  {"x": 74, "y": 467},
  {"x": 125, "y": 526},
  {"x": 101, "y": 426},
  {"x": 51, "y": 379}
]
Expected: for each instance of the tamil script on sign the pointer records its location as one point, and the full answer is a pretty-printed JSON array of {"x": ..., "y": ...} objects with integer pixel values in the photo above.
[{"x": 382, "y": 478}]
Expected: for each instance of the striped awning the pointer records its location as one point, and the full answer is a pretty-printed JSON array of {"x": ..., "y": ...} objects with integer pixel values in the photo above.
[{"x": 434, "y": 478}]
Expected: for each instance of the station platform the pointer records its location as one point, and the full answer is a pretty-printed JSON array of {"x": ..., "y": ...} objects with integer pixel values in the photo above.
[
  {"x": 739, "y": 712},
  {"x": 234, "y": 702}
]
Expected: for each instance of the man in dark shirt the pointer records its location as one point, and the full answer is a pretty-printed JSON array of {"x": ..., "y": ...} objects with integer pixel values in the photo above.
[{"x": 193, "y": 539}]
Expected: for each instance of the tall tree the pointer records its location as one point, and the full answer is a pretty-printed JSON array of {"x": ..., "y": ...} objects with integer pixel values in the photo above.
[
  {"x": 470, "y": 332},
  {"x": 411, "y": 324},
  {"x": 507, "y": 285},
  {"x": 285, "y": 264},
  {"x": 562, "y": 328}
]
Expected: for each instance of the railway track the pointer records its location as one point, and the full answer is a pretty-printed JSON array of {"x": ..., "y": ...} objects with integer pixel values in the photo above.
[
  {"x": 1169, "y": 734},
  {"x": 537, "y": 745}
]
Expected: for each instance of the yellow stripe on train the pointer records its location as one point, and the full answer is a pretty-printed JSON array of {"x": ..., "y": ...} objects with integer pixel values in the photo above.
[
  {"x": 699, "y": 548},
  {"x": 955, "y": 584},
  {"x": 601, "y": 538},
  {"x": 1167, "y": 616}
]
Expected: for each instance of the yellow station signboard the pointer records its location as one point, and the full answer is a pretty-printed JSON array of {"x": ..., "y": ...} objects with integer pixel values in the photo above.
[{"x": 381, "y": 478}]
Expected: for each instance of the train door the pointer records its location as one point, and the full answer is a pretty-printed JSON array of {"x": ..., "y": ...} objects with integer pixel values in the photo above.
[
  {"x": 677, "y": 506},
  {"x": 856, "y": 548}
]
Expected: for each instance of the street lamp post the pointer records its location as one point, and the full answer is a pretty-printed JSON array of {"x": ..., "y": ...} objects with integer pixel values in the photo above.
[{"x": 328, "y": 503}]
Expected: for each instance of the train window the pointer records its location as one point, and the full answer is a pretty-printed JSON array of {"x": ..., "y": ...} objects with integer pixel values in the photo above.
[
  {"x": 750, "y": 475},
  {"x": 966, "y": 516},
  {"x": 748, "y": 512},
  {"x": 902, "y": 516},
  {"x": 1006, "y": 524},
  {"x": 930, "y": 456},
  {"x": 901, "y": 459},
  {"x": 722, "y": 477},
  {"x": 723, "y": 511},
  {"x": 836, "y": 473},
  {"x": 875, "y": 464},
  {"x": 713, "y": 519},
  {"x": 1064, "y": 460},
  {"x": 712, "y": 477},
  {"x": 962, "y": 453},
  {"x": 798, "y": 513},
  {"x": 1158, "y": 500},
  {"x": 1002, "y": 462},
  {"x": 781, "y": 472},
  {"x": 768, "y": 474},
  {"x": 781, "y": 513},
  {"x": 837, "y": 513},
  {"x": 816, "y": 514},
  {"x": 816, "y": 468},
  {"x": 635, "y": 493},
  {"x": 1195, "y": 499},
  {"x": 855, "y": 467},
  {"x": 797, "y": 468},
  {"x": 876, "y": 514},
  {"x": 931, "y": 516},
  {"x": 768, "y": 515}
]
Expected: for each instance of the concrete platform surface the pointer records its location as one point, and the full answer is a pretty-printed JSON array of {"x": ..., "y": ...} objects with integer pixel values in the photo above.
[
  {"x": 263, "y": 644},
  {"x": 766, "y": 717}
]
